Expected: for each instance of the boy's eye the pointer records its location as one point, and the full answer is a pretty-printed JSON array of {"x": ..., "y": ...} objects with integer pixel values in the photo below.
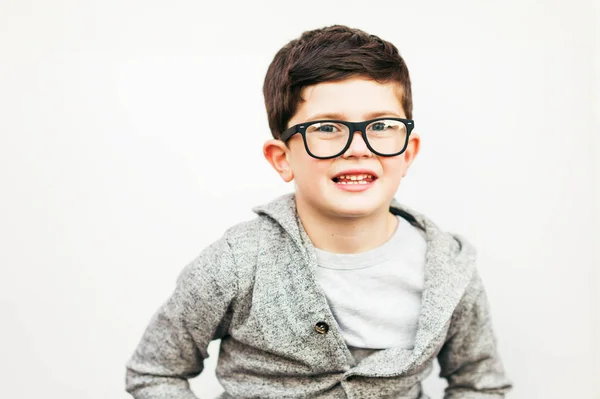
[
  {"x": 379, "y": 126},
  {"x": 324, "y": 128},
  {"x": 386, "y": 126}
]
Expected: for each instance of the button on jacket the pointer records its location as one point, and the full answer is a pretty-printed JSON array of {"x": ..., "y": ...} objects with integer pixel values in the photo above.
[{"x": 255, "y": 289}]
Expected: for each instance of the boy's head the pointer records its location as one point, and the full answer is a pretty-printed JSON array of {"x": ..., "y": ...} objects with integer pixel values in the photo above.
[{"x": 343, "y": 74}]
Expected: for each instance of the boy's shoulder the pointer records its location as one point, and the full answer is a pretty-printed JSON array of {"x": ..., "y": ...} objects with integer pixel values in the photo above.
[{"x": 237, "y": 249}]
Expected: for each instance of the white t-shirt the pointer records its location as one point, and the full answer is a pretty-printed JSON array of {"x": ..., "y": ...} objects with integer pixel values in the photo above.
[{"x": 375, "y": 296}]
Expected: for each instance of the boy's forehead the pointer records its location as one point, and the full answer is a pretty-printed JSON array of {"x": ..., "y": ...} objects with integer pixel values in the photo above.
[{"x": 351, "y": 98}]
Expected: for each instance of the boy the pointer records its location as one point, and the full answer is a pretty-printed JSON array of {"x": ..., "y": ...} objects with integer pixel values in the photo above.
[{"x": 336, "y": 290}]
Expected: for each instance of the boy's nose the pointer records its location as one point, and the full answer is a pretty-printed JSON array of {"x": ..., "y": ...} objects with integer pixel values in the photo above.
[{"x": 358, "y": 147}]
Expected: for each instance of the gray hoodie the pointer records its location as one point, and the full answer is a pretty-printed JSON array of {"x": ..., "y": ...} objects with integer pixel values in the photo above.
[{"x": 255, "y": 289}]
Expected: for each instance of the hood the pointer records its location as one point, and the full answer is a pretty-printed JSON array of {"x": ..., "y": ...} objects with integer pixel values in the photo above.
[{"x": 282, "y": 211}]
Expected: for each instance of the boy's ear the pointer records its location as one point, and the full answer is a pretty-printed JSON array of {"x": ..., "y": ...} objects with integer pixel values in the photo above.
[
  {"x": 412, "y": 149},
  {"x": 276, "y": 152}
]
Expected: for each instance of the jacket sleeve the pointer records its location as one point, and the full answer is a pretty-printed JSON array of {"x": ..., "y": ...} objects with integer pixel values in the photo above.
[
  {"x": 469, "y": 358},
  {"x": 174, "y": 344}
]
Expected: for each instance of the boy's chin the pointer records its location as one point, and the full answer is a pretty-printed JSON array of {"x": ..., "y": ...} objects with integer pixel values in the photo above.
[
  {"x": 343, "y": 204},
  {"x": 353, "y": 208}
]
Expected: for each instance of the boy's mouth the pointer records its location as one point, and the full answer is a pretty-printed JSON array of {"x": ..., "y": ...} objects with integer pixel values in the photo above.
[{"x": 355, "y": 177}]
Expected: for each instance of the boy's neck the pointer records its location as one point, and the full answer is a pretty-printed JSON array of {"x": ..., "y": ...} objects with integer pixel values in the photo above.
[{"x": 347, "y": 235}]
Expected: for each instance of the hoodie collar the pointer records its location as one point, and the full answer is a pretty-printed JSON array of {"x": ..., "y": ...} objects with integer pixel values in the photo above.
[{"x": 449, "y": 266}]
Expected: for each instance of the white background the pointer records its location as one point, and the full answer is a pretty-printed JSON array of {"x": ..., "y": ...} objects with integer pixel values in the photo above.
[{"x": 130, "y": 139}]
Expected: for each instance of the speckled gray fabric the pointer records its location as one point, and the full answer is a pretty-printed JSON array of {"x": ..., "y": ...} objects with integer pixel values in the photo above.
[{"x": 255, "y": 289}]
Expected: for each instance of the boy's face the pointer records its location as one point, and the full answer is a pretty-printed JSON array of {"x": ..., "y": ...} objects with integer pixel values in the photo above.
[{"x": 354, "y": 99}]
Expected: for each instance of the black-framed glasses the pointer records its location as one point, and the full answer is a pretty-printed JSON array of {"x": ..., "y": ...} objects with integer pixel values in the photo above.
[{"x": 324, "y": 139}]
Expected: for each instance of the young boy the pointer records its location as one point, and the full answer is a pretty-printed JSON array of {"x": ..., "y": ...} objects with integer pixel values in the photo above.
[{"x": 335, "y": 290}]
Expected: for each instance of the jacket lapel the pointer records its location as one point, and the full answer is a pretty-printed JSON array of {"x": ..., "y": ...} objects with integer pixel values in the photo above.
[{"x": 449, "y": 261}]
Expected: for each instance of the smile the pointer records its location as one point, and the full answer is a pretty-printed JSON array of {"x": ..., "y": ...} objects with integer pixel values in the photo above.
[
  {"x": 354, "y": 183},
  {"x": 354, "y": 179}
]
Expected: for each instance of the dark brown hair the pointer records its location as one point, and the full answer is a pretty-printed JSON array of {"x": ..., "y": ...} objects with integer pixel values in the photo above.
[{"x": 329, "y": 54}]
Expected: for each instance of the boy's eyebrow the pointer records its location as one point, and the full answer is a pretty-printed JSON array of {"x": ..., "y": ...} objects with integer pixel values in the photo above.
[{"x": 341, "y": 116}]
